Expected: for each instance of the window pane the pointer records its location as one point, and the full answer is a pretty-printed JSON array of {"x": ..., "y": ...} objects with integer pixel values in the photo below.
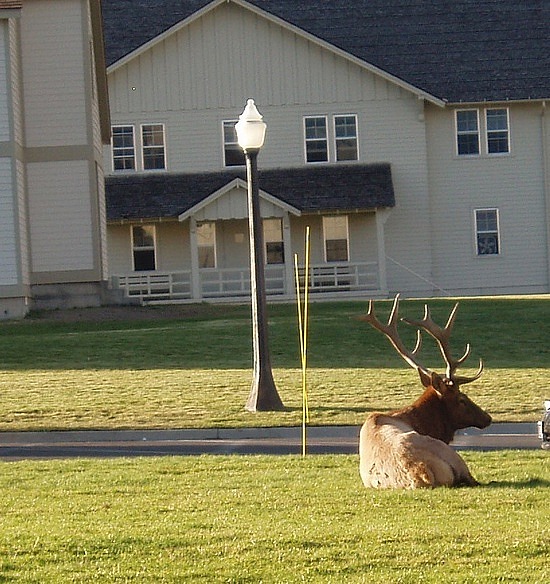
[
  {"x": 233, "y": 153},
  {"x": 316, "y": 139},
  {"x": 144, "y": 236},
  {"x": 144, "y": 260},
  {"x": 152, "y": 137},
  {"x": 468, "y": 144},
  {"x": 337, "y": 250},
  {"x": 345, "y": 130},
  {"x": 316, "y": 128},
  {"x": 467, "y": 132},
  {"x": 143, "y": 240},
  {"x": 487, "y": 235},
  {"x": 275, "y": 253},
  {"x": 123, "y": 148},
  {"x": 497, "y": 131},
  {"x": 273, "y": 237},
  {"x": 336, "y": 238},
  {"x": 497, "y": 119},
  {"x": 206, "y": 243},
  {"x": 466, "y": 121}
]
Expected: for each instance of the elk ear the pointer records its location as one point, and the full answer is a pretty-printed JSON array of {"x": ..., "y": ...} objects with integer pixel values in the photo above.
[
  {"x": 431, "y": 379},
  {"x": 426, "y": 378}
]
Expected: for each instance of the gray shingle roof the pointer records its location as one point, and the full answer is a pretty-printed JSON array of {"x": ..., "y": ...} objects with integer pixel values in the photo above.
[
  {"x": 456, "y": 50},
  {"x": 309, "y": 189}
]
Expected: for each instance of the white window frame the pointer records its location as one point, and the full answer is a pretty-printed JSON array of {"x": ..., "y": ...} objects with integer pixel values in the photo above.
[
  {"x": 309, "y": 140},
  {"x": 235, "y": 144},
  {"x": 134, "y": 147},
  {"x": 143, "y": 147},
  {"x": 213, "y": 244},
  {"x": 468, "y": 133},
  {"x": 478, "y": 232},
  {"x": 488, "y": 132},
  {"x": 144, "y": 248},
  {"x": 326, "y": 219},
  {"x": 343, "y": 138}
]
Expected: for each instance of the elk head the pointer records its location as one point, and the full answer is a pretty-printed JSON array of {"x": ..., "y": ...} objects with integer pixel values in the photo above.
[{"x": 443, "y": 408}]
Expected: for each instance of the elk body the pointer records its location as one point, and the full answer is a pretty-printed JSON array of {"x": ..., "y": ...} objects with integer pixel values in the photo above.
[{"x": 409, "y": 448}]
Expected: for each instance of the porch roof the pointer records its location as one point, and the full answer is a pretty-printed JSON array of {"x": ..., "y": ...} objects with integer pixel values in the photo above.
[{"x": 318, "y": 189}]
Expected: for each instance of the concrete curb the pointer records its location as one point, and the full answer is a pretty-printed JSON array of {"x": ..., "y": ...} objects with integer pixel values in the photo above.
[{"x": 233, "y": 434}]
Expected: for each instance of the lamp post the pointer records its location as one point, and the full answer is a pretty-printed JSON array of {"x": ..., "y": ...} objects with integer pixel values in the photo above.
[{"x": 263, "y": 394}]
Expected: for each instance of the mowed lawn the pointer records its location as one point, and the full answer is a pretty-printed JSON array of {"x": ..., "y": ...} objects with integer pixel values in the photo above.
[
  {"x": 195, "y": 370},
  {"x": 263, "y": 519},
  {"x": 252, "y": 519}
]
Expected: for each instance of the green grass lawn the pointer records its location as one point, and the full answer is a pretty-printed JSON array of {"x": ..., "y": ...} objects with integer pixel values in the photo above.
[
  {"x": 196, "y": 371},
  {"x": 223, "y": 519}
]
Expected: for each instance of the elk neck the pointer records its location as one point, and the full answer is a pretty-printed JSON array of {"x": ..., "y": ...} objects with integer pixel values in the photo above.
[{"x": 428, "y": 415}]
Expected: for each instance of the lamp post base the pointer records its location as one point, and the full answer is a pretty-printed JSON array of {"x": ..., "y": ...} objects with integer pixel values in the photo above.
[{"x": 263, "y": 395}]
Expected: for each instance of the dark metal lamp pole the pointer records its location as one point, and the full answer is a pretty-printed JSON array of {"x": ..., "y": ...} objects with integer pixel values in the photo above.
[{"x": 263, "y": 393}]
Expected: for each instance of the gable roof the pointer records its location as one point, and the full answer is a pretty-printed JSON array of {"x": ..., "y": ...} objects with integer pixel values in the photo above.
[
  {"x": 455, "y": 50},
  {"x": 330, "y": 188}
]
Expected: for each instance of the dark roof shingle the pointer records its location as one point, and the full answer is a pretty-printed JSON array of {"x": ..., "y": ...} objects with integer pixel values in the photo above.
[
  {"x": 456, "y": 50},
  {"x": 311, "y": 190}
]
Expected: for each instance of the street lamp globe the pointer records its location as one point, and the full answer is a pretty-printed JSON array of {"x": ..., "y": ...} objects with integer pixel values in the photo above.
[{"x": 250, "y": 128}]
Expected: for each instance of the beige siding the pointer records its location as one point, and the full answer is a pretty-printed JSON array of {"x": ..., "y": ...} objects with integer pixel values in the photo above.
[
  {"x": 61, "y": 231},
  {"x": 15, "y": 79},
  {"x": 54, "y": 87},
  {"x": 511, "y": 183},
  {"x": 4, "y": 82},
  {"x": 173, "y": 246},
  {"x": 8, "y": 234},
  {"x": 119, "y": 249}
]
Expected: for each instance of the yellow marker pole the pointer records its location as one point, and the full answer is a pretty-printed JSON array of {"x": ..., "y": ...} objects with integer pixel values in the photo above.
[{"x": 302, "y": 325}]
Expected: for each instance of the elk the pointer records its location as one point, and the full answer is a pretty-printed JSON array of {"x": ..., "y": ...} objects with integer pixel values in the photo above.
[{"x": 409, "y": 448}]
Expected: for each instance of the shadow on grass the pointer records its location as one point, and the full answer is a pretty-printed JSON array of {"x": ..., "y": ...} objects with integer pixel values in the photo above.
[{"x": 526, "y": 484}]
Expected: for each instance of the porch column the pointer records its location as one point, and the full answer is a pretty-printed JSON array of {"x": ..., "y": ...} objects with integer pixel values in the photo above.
[
  {"x": 196, "y": 289},
  {"x": 381, "y": 218},
  {"x": 290, "y": 288}
]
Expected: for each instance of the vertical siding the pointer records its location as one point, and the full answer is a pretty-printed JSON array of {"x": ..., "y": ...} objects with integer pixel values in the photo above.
[
  {"x": 59, "y": 204},
  {"x": 4, "y": 82},
  {"x": 54, "y": 88},
  {"x": 15, "y": 68},
  {"x": 8, "y": 239}
]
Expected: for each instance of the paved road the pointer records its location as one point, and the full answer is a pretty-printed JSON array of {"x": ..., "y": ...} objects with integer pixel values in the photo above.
[{"x": 320, "y": 440}]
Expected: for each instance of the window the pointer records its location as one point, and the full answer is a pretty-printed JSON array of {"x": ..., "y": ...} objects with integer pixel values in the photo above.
[
  {"x": 233, "y": 154},
  {"x": 467, "y": 132},
  {"x": 273, "y": 238},
  {"x": 497, "y": 131},
  {"x": 487, "y": 232},
  {"x": 206, "y": 243},
  {"x": 335, "y": 230},
  {"x": 152, "y": 142},
  {"x": 316, "y": 139},
  {"x": 345, "y": 135},
  {"x": 123, "y": 147},
  {"x": 143, "y": 245}
]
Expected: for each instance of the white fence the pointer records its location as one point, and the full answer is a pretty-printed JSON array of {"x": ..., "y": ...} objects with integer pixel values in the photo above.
[{"x": 235, "y": 282}]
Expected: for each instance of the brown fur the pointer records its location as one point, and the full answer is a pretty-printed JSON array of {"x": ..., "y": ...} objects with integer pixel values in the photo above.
[{"x": 409, "y": 448}]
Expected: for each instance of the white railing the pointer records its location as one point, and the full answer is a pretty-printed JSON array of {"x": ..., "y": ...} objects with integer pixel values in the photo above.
[
  {"x": 340, "y": 277},
  {"x": 235, "y": 282},
  {"x": 155, "y": 285}
]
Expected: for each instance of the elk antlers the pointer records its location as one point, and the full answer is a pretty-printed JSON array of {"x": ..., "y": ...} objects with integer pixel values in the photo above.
[{"x": 440, "y": 334}]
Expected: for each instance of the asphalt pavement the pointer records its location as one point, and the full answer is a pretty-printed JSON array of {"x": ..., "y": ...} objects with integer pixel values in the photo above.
[{"x": 319, "y": 440}]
